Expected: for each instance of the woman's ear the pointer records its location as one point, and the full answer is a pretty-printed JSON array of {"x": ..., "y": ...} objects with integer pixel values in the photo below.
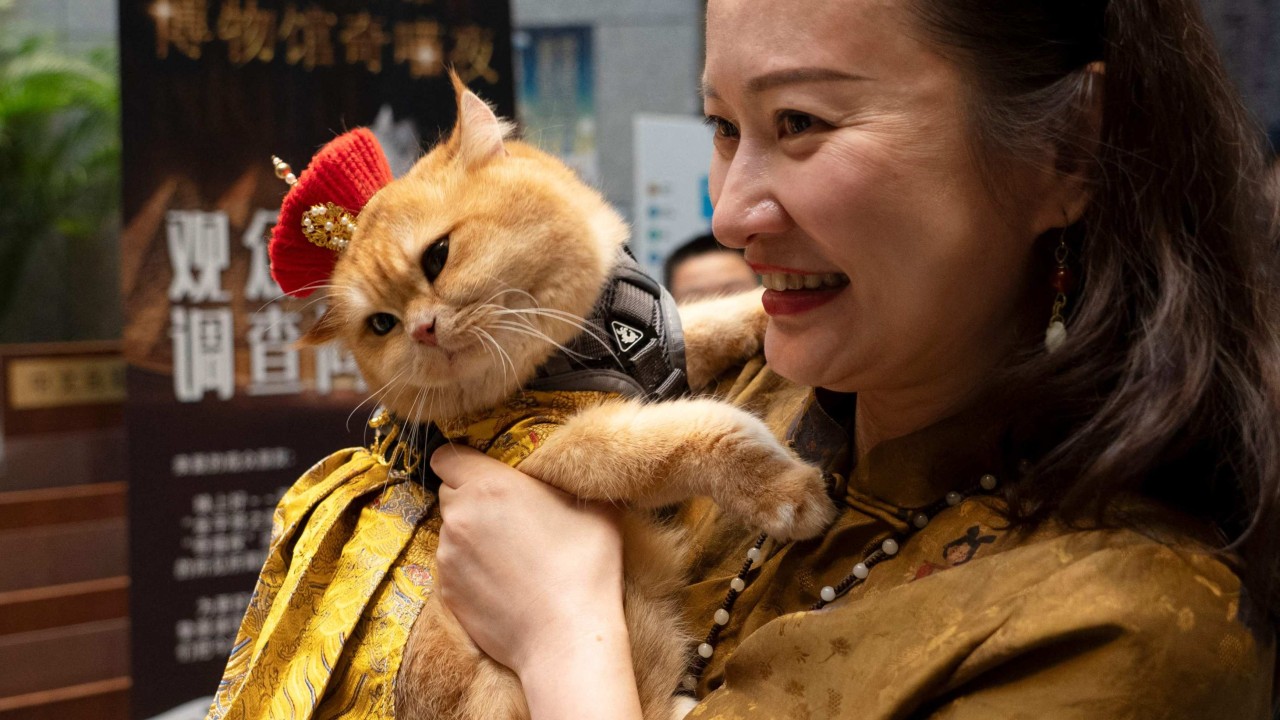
[{"x": 1072, "y": 175}]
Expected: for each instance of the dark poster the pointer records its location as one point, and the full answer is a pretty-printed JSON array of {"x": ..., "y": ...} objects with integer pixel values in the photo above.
[{"x": 223, "y": 411}]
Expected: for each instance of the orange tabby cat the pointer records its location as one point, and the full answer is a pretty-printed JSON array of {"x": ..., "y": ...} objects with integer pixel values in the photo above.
[{"x": 455, "y": 288}]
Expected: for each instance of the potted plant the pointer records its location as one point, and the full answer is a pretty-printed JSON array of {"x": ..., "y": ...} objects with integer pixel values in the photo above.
[{"x": 59, "y": 161}]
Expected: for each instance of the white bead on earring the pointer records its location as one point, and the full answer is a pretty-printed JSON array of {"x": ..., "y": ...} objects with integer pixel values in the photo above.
[{"x": 1055, "y": 335}]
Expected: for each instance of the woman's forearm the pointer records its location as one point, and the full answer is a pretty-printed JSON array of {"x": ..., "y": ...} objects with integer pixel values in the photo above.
[{"x": 587, "y": 674}]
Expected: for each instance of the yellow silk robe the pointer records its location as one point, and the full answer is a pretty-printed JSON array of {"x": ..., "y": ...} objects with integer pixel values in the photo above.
[{"x": 352, "y": 560}]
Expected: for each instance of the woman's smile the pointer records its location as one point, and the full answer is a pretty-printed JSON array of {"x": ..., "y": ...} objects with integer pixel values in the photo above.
[{"x": 789, "y": 291}]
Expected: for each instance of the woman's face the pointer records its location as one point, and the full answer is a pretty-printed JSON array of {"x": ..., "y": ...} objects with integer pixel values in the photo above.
[{"x": 842, "y": 160}]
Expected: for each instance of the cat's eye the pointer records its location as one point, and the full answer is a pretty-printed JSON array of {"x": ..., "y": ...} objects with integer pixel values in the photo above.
[
  {"x": 382, "y": 323},
  {"x": 434, "y": 258}
]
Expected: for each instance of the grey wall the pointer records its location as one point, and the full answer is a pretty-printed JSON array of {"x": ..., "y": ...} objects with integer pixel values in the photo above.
[
  {"x": 1249, "y": 33},
  {"x": 648, "y": 58},
  {"x": 73, "y": 24}
]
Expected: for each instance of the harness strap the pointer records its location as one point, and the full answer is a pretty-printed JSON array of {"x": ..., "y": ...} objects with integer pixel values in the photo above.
[{"x": 633, "y": 344}]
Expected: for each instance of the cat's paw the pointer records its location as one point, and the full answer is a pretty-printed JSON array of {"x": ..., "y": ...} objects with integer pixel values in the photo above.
[
  {"x": 789, "y": 501},
  {"x": 804, "y": 507}
]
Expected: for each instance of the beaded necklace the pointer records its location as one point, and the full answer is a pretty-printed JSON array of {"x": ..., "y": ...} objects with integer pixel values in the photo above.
[{"x": 917, "y": 519}]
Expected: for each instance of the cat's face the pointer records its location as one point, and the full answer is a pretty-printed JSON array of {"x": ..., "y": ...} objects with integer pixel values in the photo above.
[{"x": 463, "y": 275}]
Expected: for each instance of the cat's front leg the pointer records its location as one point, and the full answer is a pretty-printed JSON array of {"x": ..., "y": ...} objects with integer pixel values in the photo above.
[
  {"x": 651, "y": 455},
  {"x": 720, "y": 333}
]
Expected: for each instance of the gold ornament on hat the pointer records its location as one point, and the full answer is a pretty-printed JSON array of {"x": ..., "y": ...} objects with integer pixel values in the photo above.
[
  {"x": 284, "y": 172},
  {"x": 328, "y": 226}
]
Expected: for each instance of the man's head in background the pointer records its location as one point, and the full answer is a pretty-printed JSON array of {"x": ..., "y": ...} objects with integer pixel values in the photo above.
[{"x": 703, "y": 268}]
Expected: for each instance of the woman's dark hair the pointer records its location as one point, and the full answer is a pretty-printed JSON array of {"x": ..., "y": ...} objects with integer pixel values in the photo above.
[{"x": 1169, "y": 383}]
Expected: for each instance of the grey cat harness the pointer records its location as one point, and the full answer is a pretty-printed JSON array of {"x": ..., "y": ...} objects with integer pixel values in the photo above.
[{"x": 632, "y": 343}]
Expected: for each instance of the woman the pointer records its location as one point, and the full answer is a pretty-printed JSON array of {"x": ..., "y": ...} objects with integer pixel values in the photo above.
[{"x": 1088, "y": 511}]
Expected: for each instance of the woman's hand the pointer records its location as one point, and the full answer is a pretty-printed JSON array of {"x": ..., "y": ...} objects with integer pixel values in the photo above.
[{"x": 535, "y": 577}]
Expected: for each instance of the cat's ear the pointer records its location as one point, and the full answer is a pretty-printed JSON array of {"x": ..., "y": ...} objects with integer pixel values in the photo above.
[
  {"x": 323, "y": 331},
  {"x": 478, "y": 134}
]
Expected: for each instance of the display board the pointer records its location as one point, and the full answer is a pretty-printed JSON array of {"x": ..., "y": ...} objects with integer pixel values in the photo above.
[
  {"x": 555, "y": 81},
  {"x": 223, "y": 410},
  {"x": 673, "y": 204}
]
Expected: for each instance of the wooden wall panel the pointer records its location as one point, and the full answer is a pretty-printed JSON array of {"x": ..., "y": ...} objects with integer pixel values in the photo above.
[{"x": 63, "y": 656}]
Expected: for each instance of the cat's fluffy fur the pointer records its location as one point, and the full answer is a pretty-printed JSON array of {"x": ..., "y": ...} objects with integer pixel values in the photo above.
[{"x": 530, "y": 247}]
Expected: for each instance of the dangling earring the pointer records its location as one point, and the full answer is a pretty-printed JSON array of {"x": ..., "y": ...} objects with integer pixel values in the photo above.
[{"x": 1056, "y": 333}]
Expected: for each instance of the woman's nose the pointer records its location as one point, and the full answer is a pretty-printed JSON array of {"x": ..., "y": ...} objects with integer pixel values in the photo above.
[{"x": 745, "y": 203}]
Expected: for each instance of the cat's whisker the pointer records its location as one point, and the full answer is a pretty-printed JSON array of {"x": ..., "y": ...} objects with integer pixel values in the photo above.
[
  {"x": 535, "y": 306},
  {"x": 409, "y": 431},
  {"x": 396, "y": 400},
  {"x": 410, "y": 418},
  {"x": 373, "y": 395},
  {"x": 318, "y": 300},
  {"x": 506, "y": 357},
  {"x": 430, "y": 398},
  {"x": 570, "y": 318},
  {"x": 508, "y": 290},
  {"x": 312, "y": 287},
  {"x": 415, "y": 419},
  {"x": 420, "y": 414},
  {"x": 530, "y": 331},
  {"x": 403, "y": 387},
  {"x": 553, "y": 313},
  {"x": 574, "y": 320},
  {"x": 525, "y": 293},
  {"x": 506, "y": 362},
  {"x": 483, "y": 344},
  {"x": 427, "y": 414},
  {"x": 305, "y": 306},
  {"x": 373, "y": 409},
  {"x": 524, "y": 317},
  {"x": 564, "y": 316}
]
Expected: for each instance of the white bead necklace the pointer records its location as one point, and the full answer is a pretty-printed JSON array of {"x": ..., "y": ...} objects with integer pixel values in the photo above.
[{"x": 918, "y": 520}]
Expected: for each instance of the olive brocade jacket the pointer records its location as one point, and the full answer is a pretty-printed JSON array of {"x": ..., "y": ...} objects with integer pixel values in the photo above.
[{"x": 969, "y": 620}]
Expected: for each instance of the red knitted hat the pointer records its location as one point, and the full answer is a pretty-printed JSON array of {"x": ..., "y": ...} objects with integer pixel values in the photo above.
[{"x": 345, "y": 173}]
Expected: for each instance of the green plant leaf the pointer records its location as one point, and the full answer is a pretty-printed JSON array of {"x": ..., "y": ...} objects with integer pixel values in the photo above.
[{"x": 59, "y": 151}]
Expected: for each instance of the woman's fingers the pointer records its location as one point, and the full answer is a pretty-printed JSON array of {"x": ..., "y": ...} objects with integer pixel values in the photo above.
[{"x": 453, "y": 463}]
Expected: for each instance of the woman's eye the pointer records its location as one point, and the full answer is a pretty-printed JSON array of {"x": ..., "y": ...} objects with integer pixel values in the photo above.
[
  {"x": 723, "y": 127},
  {"x": 434, "y": 258},
  {"x": 795, "y": 123},
  {"x": 382, "y": 323}
]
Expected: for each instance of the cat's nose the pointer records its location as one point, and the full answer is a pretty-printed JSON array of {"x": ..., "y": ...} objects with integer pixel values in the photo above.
[{"x": 425, "y": 333}]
